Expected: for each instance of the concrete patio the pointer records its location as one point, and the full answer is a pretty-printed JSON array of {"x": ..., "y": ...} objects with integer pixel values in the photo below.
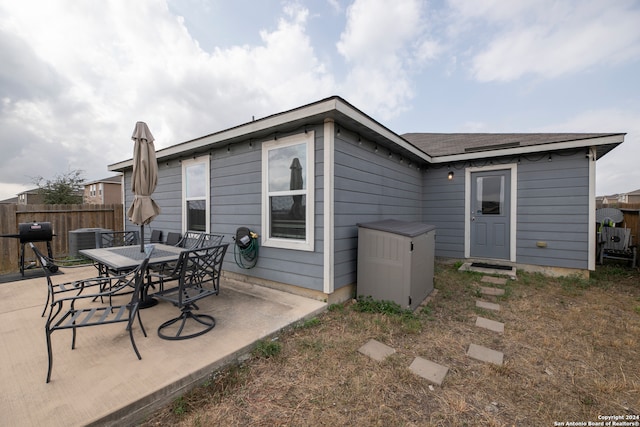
[{"x": 102, "y": 382}]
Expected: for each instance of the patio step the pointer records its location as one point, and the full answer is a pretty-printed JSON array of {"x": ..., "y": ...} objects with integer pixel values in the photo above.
[
  {"x": 489, "y": 324},
  {"x": 488, "y": 305},
  {"x": 496, "y": 292},
  {"x": 429, "y": 370},
  {"x": 485, "y": 354},
  {"x": 494, "y": 280},
  {"x": 376, "y": 350},
  {"x": 424, "y": 368}
]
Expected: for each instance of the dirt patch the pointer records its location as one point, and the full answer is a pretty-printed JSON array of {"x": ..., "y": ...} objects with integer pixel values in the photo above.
[{"x": 571, "y": 350}]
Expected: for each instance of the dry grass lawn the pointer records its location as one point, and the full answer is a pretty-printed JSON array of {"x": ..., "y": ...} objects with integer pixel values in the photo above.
[{"x": 571, "y": 347}]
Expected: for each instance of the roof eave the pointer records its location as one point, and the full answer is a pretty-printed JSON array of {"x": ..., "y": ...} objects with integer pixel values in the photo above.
[
  {"x": 603, "y": 141},
  {"x": 271, "y": 124}
]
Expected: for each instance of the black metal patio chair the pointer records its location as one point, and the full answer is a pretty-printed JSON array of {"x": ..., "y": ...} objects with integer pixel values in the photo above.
[
  {"x": 110, "y": 239},
  {"x": 173, "y": 238},
  {"x": 198, "y": 274},
  {"x": 190, "y": 240},
  {"x": 207, "y": 240},
  {"x": 74, "y": 305}
]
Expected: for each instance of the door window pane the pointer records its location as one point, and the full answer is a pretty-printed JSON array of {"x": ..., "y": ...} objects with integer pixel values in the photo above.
[{"x": 490, "y": 195}]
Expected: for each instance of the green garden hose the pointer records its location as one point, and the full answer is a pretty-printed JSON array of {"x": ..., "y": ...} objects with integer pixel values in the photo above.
[{"x": 247, "y": 257}]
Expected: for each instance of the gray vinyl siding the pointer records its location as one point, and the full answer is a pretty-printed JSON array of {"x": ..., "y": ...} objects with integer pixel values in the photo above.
[
  {"x": 553, "y": 206},
  {"x": 168, "y": 196},
  {"x": 444, "y": 208},
  {"x": 368, "y": 186},
  {"x": 236, "y": 201}
]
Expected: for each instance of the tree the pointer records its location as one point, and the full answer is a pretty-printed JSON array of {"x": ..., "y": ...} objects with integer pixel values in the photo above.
[{"x": 64, "y": 189}]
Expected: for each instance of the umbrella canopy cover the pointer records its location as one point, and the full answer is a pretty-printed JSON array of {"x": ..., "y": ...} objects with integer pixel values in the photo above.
[{"x": 145, "y": 176}]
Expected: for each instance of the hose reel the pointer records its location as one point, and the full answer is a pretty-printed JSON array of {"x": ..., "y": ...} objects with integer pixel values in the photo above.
[{"x": 245, "y": 251}]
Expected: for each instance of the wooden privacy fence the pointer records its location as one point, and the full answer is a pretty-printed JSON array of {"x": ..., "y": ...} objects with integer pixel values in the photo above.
[{"x": 63, "y": 218}]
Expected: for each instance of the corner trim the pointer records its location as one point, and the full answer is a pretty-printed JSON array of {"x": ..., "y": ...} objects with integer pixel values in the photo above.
[{"x": 328, "y": 181}]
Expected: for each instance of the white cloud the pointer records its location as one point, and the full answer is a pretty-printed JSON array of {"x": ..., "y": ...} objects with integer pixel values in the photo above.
[
  {"x": 617, "y": 171},
  {"x": 381, "y": 41},
  {"x": 79, "y": 75},
  {"x": 545, "y": 37}
]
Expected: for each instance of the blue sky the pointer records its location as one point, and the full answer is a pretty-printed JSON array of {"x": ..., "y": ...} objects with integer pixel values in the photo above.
[{"x": 76, "y": 76}]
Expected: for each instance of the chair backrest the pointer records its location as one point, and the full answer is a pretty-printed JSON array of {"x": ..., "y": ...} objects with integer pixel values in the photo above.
[
  {"x": 617, "y": 239},
  {"x": 200, "y": 271},
  {"x": 133, "y": 279},
  {"x": 156, "y": 236},
  {"x": 173, "y": 238},
  {"x": 210, "y": 240},
  {"x": 110, "y": 239},
  {"x": 48, "y": 267},
  {"x": 190, "y": 240}
]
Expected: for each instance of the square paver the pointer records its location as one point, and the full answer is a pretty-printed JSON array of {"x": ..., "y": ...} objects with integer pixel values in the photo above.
[
  {"x": 494, "y": 280},
  {"x": 489, "y": 324},
  {"x": 488, "y": 305},
  {"x": 429, "y": 370},
  {"x": 491, "y": 291},
  {"x": 376, "y": 350},
  {"x": 485, "y": 354}
]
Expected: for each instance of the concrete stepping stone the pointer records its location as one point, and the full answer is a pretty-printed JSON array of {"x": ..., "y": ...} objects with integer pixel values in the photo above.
[
  {"x": 488, "y": 305},
  {"x": 491, "y": 291},
  {"x": 485, "y": 354},
  {"x": 376, "y": 350},
  {"x": 494, "y": 280},
  {"x": 429, "y": 370},
  {"x": 489, "y": 324}
]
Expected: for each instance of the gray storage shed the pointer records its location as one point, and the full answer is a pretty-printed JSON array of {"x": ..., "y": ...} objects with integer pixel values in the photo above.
[{"x": 396, "y": 261}]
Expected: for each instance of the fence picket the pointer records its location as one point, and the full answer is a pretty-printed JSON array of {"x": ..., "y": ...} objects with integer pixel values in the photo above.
[{"x": 63, "y": 218}]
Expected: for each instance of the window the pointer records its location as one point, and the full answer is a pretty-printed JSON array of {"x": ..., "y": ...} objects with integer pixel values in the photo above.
[
  {"x": 195, "y": 194},
  {"x": 490, "y": 195},
  {"x": 287, "y": 192}
]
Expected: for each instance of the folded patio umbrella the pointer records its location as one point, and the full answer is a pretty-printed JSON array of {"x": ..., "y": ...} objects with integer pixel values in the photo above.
[{"x": 144, "y": 179}]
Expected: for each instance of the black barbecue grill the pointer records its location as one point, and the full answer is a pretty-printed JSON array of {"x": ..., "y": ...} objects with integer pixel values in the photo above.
[{"x": 33, "y": 232}]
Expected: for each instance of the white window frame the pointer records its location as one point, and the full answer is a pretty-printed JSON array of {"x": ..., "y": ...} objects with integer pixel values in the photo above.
[
  {"x": 278, "y": 242},
  {"x": 185, "y": 164}
]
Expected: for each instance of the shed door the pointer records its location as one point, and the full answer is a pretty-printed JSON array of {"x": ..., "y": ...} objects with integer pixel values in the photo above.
[{"x": 490, "y": 214}]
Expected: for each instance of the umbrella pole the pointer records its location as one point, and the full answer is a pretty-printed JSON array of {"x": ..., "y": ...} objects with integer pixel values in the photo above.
[{"x": 142, "y": 238}]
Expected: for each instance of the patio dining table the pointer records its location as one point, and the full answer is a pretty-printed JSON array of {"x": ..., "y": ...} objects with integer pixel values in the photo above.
[{"x": 121, "y": 259}]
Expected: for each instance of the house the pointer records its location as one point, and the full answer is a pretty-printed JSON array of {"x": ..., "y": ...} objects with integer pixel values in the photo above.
[
  {"x": 103, "y": 191},
  {"x": 10, "y": 201},
  {"x": 632, "y": 197},
  {"x": 30, "y": 197},
  {"x": 518, "y": 199}
]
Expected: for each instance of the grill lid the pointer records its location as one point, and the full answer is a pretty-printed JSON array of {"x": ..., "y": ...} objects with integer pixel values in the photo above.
[{"x": 35, "y": 232}]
